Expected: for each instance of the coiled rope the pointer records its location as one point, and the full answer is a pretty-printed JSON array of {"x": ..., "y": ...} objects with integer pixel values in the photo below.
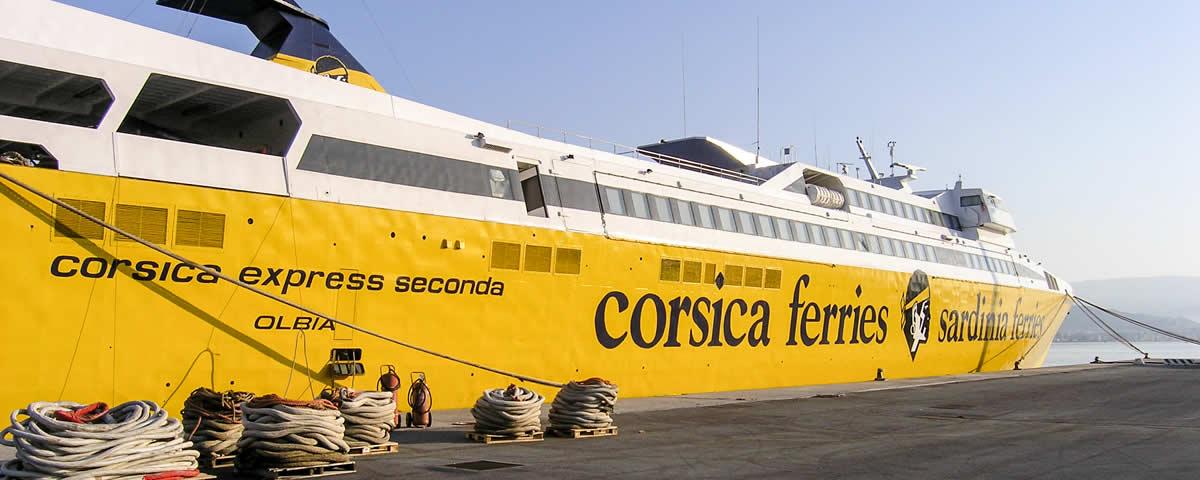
[
  {"x": 508, "y": 411},
  {"x": 370, "y": 416},
  {"x": 74, "y": 441},
  {"x": 277, "y": 298},
  {"x": 290, "y": 433},
  {"x": 584, "y": 405},
  {"x": 213, "y": 421}
]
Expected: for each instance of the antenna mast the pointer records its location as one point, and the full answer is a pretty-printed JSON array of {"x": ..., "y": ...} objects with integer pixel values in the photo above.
[
  {"x": 866, "y": 158},
  {"x": 757, "y": 90}
]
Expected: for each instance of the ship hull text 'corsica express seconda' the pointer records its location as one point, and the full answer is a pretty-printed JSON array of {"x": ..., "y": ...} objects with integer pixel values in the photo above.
[{"x": 680, "y": 266}]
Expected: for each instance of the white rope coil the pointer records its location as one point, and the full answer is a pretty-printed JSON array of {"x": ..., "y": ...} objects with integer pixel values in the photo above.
[
  {"x": 131, "y": 441},
  {"x": 370, "y": 416},
  {"x": 296, "y": 435},
  {"x": 212, "y": 421},
  {"x": 508, "y": 411},
  {"x": 584, "y": 405}
]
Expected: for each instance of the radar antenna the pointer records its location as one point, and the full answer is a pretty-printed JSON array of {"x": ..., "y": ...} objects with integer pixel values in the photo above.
[{"x": 866, "y": 158}]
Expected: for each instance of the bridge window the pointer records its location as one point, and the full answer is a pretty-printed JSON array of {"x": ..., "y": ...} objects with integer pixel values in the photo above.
[
  {"x": 613, "y": 201},
  {"x": 660, "y": 209},
  {"x": 725, "y": 220},
  {"x": 683, "y": 212},
  {"x": 54, "y": 96},
  {"x": 970, "y": 201},
  {"x": 704, "y": 216},
  {"x": 205, "y": 114}
]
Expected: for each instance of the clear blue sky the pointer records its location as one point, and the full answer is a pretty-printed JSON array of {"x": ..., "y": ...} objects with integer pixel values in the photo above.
[{"x": 1082, "y": 115}]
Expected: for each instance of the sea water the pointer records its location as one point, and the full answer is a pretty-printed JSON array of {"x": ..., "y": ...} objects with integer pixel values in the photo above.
[{"x": 1072, "y": 353}]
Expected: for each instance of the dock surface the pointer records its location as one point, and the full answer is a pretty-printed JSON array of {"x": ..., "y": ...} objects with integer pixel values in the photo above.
[{"x": 1074, "y": 422}]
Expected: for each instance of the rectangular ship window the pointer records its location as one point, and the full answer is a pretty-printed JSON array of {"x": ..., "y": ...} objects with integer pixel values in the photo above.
[
  {"x": 754, "y": 277},
  {"x": 613, "y": 203},
  {"x": 745, "y": 223},
  {"x": 733, "y": 275},
  {"x": 766, "y": 227},
  {"x": 683, "y": 212},
  {"x": 725, "y": 219},
  {"x": 710, "y": 273},
  {"x": 783, "y": 228},
  {"x": 692, "y": 272},
  {"x": 638, "y": 206},
  {"x": 660, "y": 209},
  {"x": 150, "y": 223},
  {"x": 567, "y": 261},
  {"x": 71, "y": 225},
  {"x": 831, "y": 237},
  {"x": 537, "y": 258},
  {"x": 772, "y": 278},
  {"x": 669, "y": 270},
  {"x": 506, "y": 256},
  {"x": 801, "y": 230},
  {"x": 704, "y": 216}
]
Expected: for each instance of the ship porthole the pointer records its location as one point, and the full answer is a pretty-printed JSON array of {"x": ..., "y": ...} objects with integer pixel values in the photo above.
[
  {"x": 250, "y": 221},
  {"x": 393, "y": 234}
]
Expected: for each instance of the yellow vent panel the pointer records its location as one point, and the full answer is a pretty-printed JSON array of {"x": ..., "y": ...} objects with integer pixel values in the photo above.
[
  {"x": 691, "y": 272},
  {"x": 669, "y": 271},
  {"x": 200, "y": 229},
  {"x": 754, "y": 277},
  {"x": 506, "y": 255},
  {"x": 537, "y": 258},
  {"x": 733, "y": 275},
  {"x": 567, "y": 261},
  {"x": 150, "y": 223},
  {"x": 71, "y": 225},
  {"x": 773, "y": 278},
  {"x": 710, "y": 273}
]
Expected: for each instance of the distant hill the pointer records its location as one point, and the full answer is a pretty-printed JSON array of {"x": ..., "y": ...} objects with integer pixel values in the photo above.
[
  {"x": 1079, "y": 328},
  {"x": 1160, "y": 296}
]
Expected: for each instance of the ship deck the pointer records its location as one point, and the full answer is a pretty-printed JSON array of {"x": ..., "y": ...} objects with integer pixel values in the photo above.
[{"x": 1088, "y": 421}]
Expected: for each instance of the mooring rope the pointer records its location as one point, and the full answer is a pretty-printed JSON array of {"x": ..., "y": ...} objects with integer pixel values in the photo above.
[
  {"x": 585, "y": 404},
  {"x": 213, "y": 420},
  {"x": 290, "y": 433},
  {"x": 508, "y": 411},
  {"x": 370, "y": 416},
  {"x": 72, "y": 441},
  {"x": 1144, "y": 325},
  {"x": 239, "y": 283},
  {"x": 1112, "y": 332}
]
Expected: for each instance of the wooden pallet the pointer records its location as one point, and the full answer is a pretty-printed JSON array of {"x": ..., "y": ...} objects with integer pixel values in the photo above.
[
  {"x": 584, "y": 432},
  {"x": 216, "y": 463},
  {"x": 488, "y": 439},
  {"x": 369, "y": 450},
  {"x": 326, "y": 470}
]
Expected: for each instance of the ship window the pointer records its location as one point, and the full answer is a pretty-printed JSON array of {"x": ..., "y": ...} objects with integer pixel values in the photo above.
[
  {"x": 669, "y": 270},
  {"x": 54, "y": 96},
  {"x": 847, "y": 239},
  {"x": 660, "y": 209},
  {"x": 566, "y": 260},
  {"x": 908, "y": 250},
  {"x": 861, "y": 242},
  {"x": 704, "y": 216},
  {"x": 872, "y": 244},
  {"x": 637, "y": 205},
  {"x": 953, "y": 222},
  {"x": 853, "y": 194},
  {"x": 930, "y": 253},
  {"x": 783, "y": 229},
  {"x": 26, "y": 154},
  {"x": 683, "y": 212},
  {"x": 613, "y": 203},
  {"x": 725, "y": 219},
  {"x": 908, "y": 211},
  {"x": 888, "y": 206},
  {"x": 754, "y": 277},
  {"x": 531, "y": 187},
  {"x": 922, "y": 214},
  {"x": 918, "y": 252},
  {"x": 766, "y": 227},
  {"x": 538, "y": 258},
  {"x": 897, "y": 247},
  {"x": 817, "y": 234},
  {"x": 831, "y": 237},
  {"x": 189, "y": 111},
  {"x": 970, "y": 201},
  {"x": 936, "y": 218},
  {"x": 875, "y": 203},
  {"x": 691, "y": 272},
  {"x": 710, "y": 273},
  {"x": 745, "y": 223},
  {"x": 733, "y": 275},
  {"x": 885, "y": 246},
  {"x": 801, "y": 230},
  {"x": 772, "y": 278}
]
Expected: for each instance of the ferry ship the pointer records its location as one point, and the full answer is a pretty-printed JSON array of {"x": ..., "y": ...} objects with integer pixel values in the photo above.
[{"x": 680, "y": 266}]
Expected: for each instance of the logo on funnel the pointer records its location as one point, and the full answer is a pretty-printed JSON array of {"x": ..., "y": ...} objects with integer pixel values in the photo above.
[{"x": 916, "y": 312}]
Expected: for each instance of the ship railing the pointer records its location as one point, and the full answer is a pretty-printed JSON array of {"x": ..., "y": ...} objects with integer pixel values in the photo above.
[{"x": 593, "y": 143}]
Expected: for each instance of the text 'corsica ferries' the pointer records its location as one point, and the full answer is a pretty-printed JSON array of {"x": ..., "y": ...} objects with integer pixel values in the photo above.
[{"x": 684, "y": 266}]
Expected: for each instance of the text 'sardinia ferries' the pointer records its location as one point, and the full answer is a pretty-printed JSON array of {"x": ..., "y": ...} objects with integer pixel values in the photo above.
[{"x": 687, "y": 266}]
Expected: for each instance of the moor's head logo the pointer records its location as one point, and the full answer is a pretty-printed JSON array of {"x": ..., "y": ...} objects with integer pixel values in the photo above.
[
  {"x": 332, "y": 67},
  {"x": 916, "y": 312}
]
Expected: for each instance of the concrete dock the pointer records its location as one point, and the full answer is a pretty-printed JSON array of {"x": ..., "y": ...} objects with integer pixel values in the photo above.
[{"x": 1111, "y": 421}]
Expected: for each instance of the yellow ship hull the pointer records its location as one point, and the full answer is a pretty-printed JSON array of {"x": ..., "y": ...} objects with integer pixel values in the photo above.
[{"x": 105, "y": 319}]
